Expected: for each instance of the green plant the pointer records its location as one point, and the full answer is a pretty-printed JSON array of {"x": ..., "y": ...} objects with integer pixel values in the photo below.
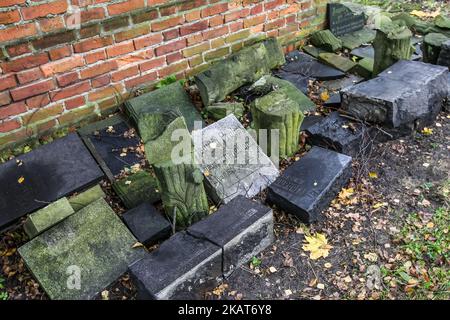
[
  {"x": 166, "y": 81},
  {"x": 3, "y": 293},
  {"x": 255, "y": 262}
]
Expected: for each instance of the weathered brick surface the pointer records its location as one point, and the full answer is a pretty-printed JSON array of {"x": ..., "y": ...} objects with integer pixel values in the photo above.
[{"x": 54, "y": 72}]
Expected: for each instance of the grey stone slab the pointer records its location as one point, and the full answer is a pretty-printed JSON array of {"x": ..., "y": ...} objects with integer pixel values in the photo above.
[
  {"x": 355, "y": 39},
  {"x": 242, "y": 228},
  {"x": 339, "y": 84},
  {"x": 303, "y": 64},
  {"x": 232, "y": 161},
  {"x": 181, "y": 268},
  {"x": 107, "y": 139},
  {"x": 337, "y": 133},
  {"x": 298, "y": 80},
  {"x": 342, "y": 19},
  {"x": 444, "y": 55},
  {"x": 364, "y": 52},
  {"x": 407, "y": 92},
  {"x": 83, "y": 254},
  {"x": 308, "y": 186},
  {"x": 137, "y": 188},
  {"x": 49, "y": 172},
  {"x": 147, "y": 224},
  {"x": 334, "y": 101},
  {"x": 169, "y": 98},
  {"x": 81, "y": 200},
  {"x": 309, "y": 121}
]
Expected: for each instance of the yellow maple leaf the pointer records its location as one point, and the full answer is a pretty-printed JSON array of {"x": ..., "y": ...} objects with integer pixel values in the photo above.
[
  {"x": 373, "y": 175},
  {"x": 427, "y": 131},
  {"x": 317, "y": 245},
  {"x": 346, "y": 193},
  {"x": 324, "y": 96}
]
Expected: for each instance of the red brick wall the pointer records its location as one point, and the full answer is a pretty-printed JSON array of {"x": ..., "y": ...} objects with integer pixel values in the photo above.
[{"x": 65, "y": 60}]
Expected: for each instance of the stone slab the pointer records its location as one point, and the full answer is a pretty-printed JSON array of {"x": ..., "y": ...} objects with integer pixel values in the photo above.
[
  {"x": 342, "y": 20},
  {"x": 309, "y": 121},
  {"x": 233, "y": 162},
  {"x": 336, "y": 61},
  {"x": 364, "y": 52},
  {"x": 312, "y": 51},
  {"x": 220, "y": 110},
  {"x": 242, "y": 228},
  {"x": 49, "y": 172},
  {"x": 339, "y": 84},
  {"x": 337, "y": 133},
  {"x": 300, "y": 81},
  {"x": 358, "y": 38},
  {"x": 47, "y": 217},
  {"x": 107, "y": 139},
  {"x": 334, "y": 101},
  {"x": 444, "y": 55},
  {"x": 406, "y": 92},
  {"x": 181, "y": 268},
  {"x": 85, "y": 198},
  {"x": 83, "y": 254},
  {"x": 137, "y": 188},
  {"x": 308, "y": 186},
  {"x": 147, "y": 224},
  {"x": 169, "y": 98}
]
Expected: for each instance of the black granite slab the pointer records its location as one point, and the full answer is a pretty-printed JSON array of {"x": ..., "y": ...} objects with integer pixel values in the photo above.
[
  {"x": 342, "y": 20},
  {"x": 309, "y": 121},
  {"x": 308, "y": 186},
  {"x": 183, "y": 267},
  {"x": 106, "y": 139},
  {"x": 49, "y": 172},
  {"x": 242, "y": 228},
  {"x": 298, "y": 80},
  {"x": 364, "y": 52},
  {"x": 147, "y": 224},
  {"x": 334, "y": 101}
]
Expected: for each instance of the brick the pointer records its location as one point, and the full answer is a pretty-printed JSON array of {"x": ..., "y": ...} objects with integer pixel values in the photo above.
[
  {"x": 191, "y": 4},
  {"x": 152, "y": 64},
  {"x": 71, "y": 91},
  {"x": 215, "y": 33},
  {"x": 38, "y": 101},
  {"x": 275, "y": 24},
  {"x": 236, "y": 26},
  {"x": 115, "y": 23},
  {"x": 120, "y": 49},
  {"x": 172, "y": 69},
  {"x": 253, "y": 21},
  {"x": 135, "y": 57},
  {"x": 51, "y": 24},
  {"x": 8, "y": 3},
  {"x": 194, "y": 39},
  {"x": 7, "y": 17},
  {"x": 171, "y": 34},
  {"x": 125, "y": 6},
  {"x": 30, "y": 75},
  {"x": 256, "y": 9},
  {"x": 67, "y": 79},
  {"x": 74, "y": 103},
  {"x": 170, "y": 47},
  {"x": 193, "y": 28},
  {"x": 195, "y": 61},
  {"x": 9, "y": 125},
  {"x": 62, "y": 65},
  {"x": 54, "y": 40},
  {"x": 101, "y": 81},
  {"x": 91, "y": 44},
  {"x": 109, "y": 91},
  {"x": 191, "y": 51},
  {"x": 193, "y": 16},
  {"x": 167, "y": 23},
  {"x": 237, "y": 15},
  {"x": 132, "y": 33},
  {"x": 168, "y": 11},
  {"x": 92, "y": 14},
  {"x": 144, "y": 16},
  {"x": 18, "y": 32},
  {"x": 218, "y": 53},
  {"x": 93, "y": 57},
  {"x": 217, "y": 43},
  {"x": 143, "y": 79},
  {"x": 5, "y": 98},
  {"x": 75, "y": 115},
  {"x": 98, "y": 69},
  {"x": 7, "y": 82},
  {"x": 90, "y": 31},
  {"x": 238, "y": 36},
  {"x": 147, "y": 41},
  {"x": 124, "y": 73},
  {"x": 32, "y": 90},
  {"x": 107, "y": 106},
  {"x": 273, "y": 4},
  {"x": 59, "y": 53},
  {"x": 42, "y": 114},
  {"x": 43, "y": 10},
  {"x": 215, "y": 9},
  {"x": 12, "y": 109},
  {"x": 174, "y": 57},
  {"x": 18, "y": 50},
  {"x": 15, "y": 136},
  {"x": 43, "y": 127},
  {"x": 215, "y": 21}
]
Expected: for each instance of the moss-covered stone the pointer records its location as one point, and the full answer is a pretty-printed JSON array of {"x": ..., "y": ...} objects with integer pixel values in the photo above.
[
  {"x": 47, "y": 217},
  {"x": 85, "y": 198},
  {"x": 356, "y": 39},
  {"x": 137, "y": 188},
  {"x": 83, "y": 254},
  {"x": 442, "y": 22},
  {"x": 326, "y": 40},
  {"x": 312, "y": 51},
  {"x": 220, "y": 110},
  {"x": 341, "y": 63},
  {"x": 365, "y": 68},
  {"x": 432, "y": 44}
]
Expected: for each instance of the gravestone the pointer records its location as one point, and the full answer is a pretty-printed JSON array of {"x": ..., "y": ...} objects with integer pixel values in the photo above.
[
  {"x": 83, "y": 254},
  {"x": 326, "y": 40},
  {"x": 85, "y": 198},
  {"x": 303, "y": 64},
  {"x": 355, "y": 39},
  {"x": 220, "y": 110},
  {"x": 47, "y": 217},
  {"x": 444, "y": 55},
  {"x": 365, "y": 68},
  {"x": 336, "y": 61},
  {"x": 172, "y": 98},
  {"x": 309, "y": 121},
  {"x": 37, "y": 178},
  {"x": 137, "y": 188},
  {"x": 405, "y": 93},
  {"x": 231, "y": 160},
  {"x": 147, "y": 224},
  {"x": 364, "y": 52},
  {"x": 242, "y": 228},
  {"x": 337, "y": 133},
  {"x": 339, "y": 84},
  {"x": 342, "y": 20},
  {"x": 307, "y": 187},
  {"x": 107, "y": 140},
  {"x": 300, "y": 81},
  {"x": 334, "y": 101},
  {"x": 312, "y": 51},
  {"x": 183, "y": 267}
]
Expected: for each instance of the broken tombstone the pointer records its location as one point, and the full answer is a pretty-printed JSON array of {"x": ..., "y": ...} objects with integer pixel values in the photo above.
[
  {"x": 334, "y": 101},
  {"x": 147, "y": 224},
  {"x": 113, "y": 144},
  {"x": 307, "y": 187},
  {"x": 339, "y": 84},
  {"x": 336, "y": 61},
  {"x": 220, "y": 110},
  {"x": 242, "y": 228},
  {"x": 356, "y": 39},
  {"x": 37, "y": 178},
  {"x": 312, "y": 51},
  {"x": 183, "y": 267},
  {"x": 444, "y": 55},
  {"x": 364, "y": 52},
  {"x": 231, "y": 161},
  {"x": 364, "y": 68},
  {"x": 342, "y": 19},
  {"x": 326, "y": 40},
  {"x": 137, "y": 188},
  {"x": 85, "y": 198},
  {"x": 432, "y": 46},
  {"x": 83, "y": 254}
]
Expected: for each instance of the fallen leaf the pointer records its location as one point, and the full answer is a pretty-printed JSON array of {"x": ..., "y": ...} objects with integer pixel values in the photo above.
[
  {"x": 272, "y": 269},
  {"x": 320, "y": 286},
  {"x": 21, "y": 180},
  {"x": 137, "y": 245},
  {"x": 317, "y": 245},
  {"x": 373, "y": 175},
  {"x": 105, "y": 295},
  {"x": 427, "y": 131},
  {"x": 324, "y": 96}
]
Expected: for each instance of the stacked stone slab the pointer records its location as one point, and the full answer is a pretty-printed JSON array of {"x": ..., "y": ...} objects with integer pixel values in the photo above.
[
  {"x": 444, "y": 55},
  {"x": 81, "y": 200},
  {"x": 193, "y": 261},
  {"x": 432, "y": 46},
  {"x": 407, "y": 95},
  {"x": 245, "y": 66},
  {"x": 137, "y": 188}
]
